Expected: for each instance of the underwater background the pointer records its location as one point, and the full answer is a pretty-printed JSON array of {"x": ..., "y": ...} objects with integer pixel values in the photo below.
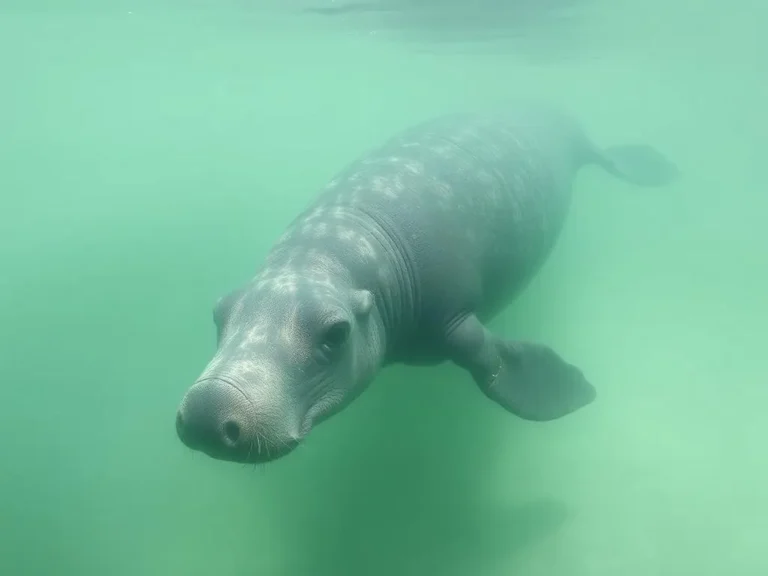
[{"x": 151, "y": 152}]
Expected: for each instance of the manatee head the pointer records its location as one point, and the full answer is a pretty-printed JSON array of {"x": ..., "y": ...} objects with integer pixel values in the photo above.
[{"x": 292, "y": 351}]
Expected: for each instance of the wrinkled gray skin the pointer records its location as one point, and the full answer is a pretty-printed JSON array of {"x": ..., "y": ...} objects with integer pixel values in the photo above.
[{"x": 403, "y": 258}]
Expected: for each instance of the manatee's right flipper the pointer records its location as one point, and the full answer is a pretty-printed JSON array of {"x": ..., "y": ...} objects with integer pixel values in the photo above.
[
  {"x": 530, "y": 380},
  {"x": 638, "y": 164}
]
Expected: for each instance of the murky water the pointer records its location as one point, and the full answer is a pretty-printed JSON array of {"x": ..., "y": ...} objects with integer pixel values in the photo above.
[{"x": 150, "y": 152}]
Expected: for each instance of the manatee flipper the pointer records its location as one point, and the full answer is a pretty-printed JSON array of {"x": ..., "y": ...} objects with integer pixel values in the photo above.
[
  {"x": 638, "y": 164},
  {"x": 527, "y": 379}
]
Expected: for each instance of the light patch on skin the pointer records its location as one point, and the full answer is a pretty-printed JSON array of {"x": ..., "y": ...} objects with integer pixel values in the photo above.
[
  {"x": 257, "y": 334},
  {"x": 345, "y": 234},
  {"x": 315, "y": 214},
  {"x": 365, "y": 249},
  {"x": 389, "y": 187},
  {"x": 443, "y": 190},
  {"x": 282, "y": 282},
  {"x": 242, "y": 368},
  {"x": 383, "y": 272},
  {"x": 324, "y": 269},
  {"x": 356, "y": 194},
  {"x": 338, "y": 212},
  {"x": 445, "y": 149},
  {"x": 414, "y": 167},
  {"x": 362, "y": 246},
  {"x": 312, "y": 230},
  {"x": 291, "y": 257},
  {"x": 485, "y": 177},
  {"x": 287, "y": 330},
  {"x": 285, "y": 236}
]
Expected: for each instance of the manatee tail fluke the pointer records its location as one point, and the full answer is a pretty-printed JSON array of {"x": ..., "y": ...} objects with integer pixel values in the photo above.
[{"x": 638, "y": 164}]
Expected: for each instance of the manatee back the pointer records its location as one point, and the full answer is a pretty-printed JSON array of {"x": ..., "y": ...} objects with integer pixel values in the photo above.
[{"x": 475, "y": 200}]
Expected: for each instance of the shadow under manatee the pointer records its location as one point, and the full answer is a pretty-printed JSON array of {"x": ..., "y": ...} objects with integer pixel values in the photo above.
[
  {"x": 410, "y": 479},
  {"x": 394, "y": 485},
  {"x": 477, "y": 537}
]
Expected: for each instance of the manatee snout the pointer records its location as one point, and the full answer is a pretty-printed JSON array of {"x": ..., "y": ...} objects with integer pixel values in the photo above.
[
  {"x": 217, "y": 418},
  {"x": 292, "y": 350}
]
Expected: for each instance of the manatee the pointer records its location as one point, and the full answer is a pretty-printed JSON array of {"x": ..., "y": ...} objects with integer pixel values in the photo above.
[{"x": 403, "y": 258}]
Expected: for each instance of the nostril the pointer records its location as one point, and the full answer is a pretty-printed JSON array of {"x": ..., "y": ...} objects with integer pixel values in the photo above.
[{"x": 231, "y": 432}]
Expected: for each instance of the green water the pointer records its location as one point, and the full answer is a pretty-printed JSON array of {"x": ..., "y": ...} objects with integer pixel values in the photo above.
[{"x": 150, "y": 155}]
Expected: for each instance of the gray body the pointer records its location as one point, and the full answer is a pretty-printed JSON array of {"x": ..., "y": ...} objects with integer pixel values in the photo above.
[{"x": 403, "y": 258}]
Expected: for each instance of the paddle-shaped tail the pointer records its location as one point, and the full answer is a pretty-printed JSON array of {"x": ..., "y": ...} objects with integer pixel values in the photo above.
[{"x": 638, "y": 164}]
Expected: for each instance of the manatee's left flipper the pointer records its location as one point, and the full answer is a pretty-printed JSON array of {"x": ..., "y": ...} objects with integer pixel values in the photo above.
[{"x": 530, "y": 380}]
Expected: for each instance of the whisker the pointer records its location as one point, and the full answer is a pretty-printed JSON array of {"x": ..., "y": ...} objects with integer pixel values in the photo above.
[{"x": 250, "y": 449}]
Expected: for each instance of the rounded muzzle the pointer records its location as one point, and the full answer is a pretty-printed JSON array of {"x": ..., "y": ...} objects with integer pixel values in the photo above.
[
  {"x": 215, "y": 417},
  {"x": 218, "y": 419}
]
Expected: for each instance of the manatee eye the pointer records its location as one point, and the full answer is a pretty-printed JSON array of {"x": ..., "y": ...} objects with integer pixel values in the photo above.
[{"x": 335, "y": 336}]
